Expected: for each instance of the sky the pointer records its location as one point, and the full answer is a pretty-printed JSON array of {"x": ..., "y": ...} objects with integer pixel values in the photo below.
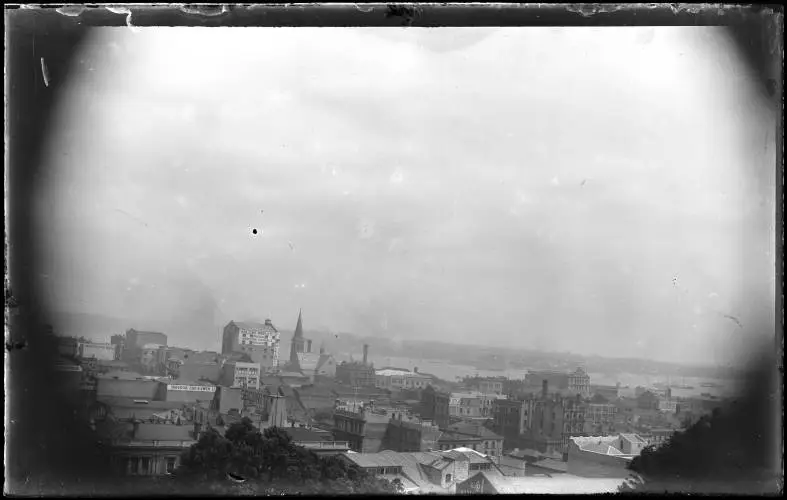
[{"x": 600, "y": 191}]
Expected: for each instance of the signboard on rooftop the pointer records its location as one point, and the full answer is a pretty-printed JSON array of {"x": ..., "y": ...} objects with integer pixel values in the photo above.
[{"x": 196, "y": 388}]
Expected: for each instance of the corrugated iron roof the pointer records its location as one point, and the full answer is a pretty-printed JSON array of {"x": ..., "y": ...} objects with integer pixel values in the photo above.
[{"x": 562, "y": 484}]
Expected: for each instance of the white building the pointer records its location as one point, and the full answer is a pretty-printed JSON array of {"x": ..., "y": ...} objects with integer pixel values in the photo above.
[
  {"x": 239, "y": 374},
  {"x": 400, "y": 379},
  {"x": 103, "y": 351}
]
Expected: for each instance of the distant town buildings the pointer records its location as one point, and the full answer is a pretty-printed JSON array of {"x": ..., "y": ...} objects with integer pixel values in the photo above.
[
  {"x": 472, "y": 405},
  {"x": 102, "y": 351},
  {"x": 576, "y": 382},
  {"x": 355, "y": 374},
  {"x": 395, "y": 379},
  {"x": 259, "y": 341}
]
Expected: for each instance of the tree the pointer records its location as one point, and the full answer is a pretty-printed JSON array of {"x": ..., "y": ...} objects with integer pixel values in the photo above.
[
  {"x": 208, "y": 459},
  {"x": 270, "y": 463},
  {"x": 729, "y": 450}
]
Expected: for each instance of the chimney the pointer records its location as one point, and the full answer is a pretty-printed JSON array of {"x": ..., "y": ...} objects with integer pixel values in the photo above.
[
  {"x": 544, "y": 388},
  {"x": 365, "y": 353}
]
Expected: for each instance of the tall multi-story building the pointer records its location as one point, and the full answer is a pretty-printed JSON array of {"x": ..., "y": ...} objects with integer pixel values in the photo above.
[
  {"x": 579, "y": 382},
  {"x": 138, "y": 346},
  {"x": 259, "y": 341},
  {"x": 553, "y": 420},
  {"x": 472, "y": 405},
  {"x": 363, "y": 429},
  {"x": 408, "y": 433},
  {"x": 239, "y": 374},
  {"x": 435, "y": 406},
  {"x": 601, "y": 418}
]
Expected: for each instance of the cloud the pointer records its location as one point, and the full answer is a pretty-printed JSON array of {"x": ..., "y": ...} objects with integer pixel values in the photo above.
[{"x": 451, "y": 181}]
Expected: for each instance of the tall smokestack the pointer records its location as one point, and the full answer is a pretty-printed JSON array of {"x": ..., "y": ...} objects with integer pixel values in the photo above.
[
  {"x": 544, "y": 388},
  {"x": 365, "y": 353},
  {"x": 309, "y": 346}
]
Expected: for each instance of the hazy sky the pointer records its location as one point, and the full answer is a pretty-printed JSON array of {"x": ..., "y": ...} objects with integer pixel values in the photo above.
[{"x": 603, "y": 191}]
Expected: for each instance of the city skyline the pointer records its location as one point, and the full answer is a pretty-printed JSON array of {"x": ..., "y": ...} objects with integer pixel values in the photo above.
[{"x": 450, "y": 184}]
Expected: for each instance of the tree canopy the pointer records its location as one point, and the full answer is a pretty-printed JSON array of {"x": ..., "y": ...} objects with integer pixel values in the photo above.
[
  {"x": 730, "y": 450},
  {"x": 267, "y": 462}
]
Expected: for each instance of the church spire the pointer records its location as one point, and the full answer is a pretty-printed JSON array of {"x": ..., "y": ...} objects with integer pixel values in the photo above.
[
  {"x": 297, "y": 344},
  {"x": 299, "y": 326}
]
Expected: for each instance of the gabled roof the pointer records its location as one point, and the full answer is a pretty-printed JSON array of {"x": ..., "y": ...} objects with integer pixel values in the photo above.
[
  {"x": 253, "y": 325},
  {"x": 633, "y": 438},
  {"x": 473, "y": 456},
  {"x": 324, "y": 358}
]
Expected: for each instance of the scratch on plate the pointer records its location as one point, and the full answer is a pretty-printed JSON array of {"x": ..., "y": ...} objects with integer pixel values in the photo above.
[
  {"x": 129, "y": 215},
  {"x": 733, "y": 318},
  {"x": 71, "y": 10},
  {"x": 127, "y": 12},
  {"x": 45, "y": 72},
  {"x": 205, "y": 9}
]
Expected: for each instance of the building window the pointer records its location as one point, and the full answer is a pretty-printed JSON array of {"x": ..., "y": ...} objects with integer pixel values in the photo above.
[
  {"x": 133, "y": 465},
  {"x": 448, "y": 478},
  {"x": 170, "y": 465}
]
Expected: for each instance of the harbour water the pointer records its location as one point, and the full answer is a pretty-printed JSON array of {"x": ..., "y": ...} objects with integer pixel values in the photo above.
[{"x": 452, "y": 372}]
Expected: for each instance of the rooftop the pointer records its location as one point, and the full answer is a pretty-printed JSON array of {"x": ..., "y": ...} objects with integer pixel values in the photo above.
[
  {"x": 303, "y": 434},
  {"x": 144, "y": 332},
  {"x": 389, "y": 372},
  {"x": 564, "y": 484},
  {"x": 527, "y": 453},
  {"x": 474, "y": 430},
  {"x": 253, "y": 325},
  {"x": 552, "y": 464},
  {"x": 633, "y": 438},
  {"x": 163, "y": 432},
  {"x": 125, "y": 402}
]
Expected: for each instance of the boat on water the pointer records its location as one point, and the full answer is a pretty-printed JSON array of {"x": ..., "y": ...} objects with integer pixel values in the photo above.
[
  {"x": 709, "y": 384},
  {"x": 682, "y": 385}
]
